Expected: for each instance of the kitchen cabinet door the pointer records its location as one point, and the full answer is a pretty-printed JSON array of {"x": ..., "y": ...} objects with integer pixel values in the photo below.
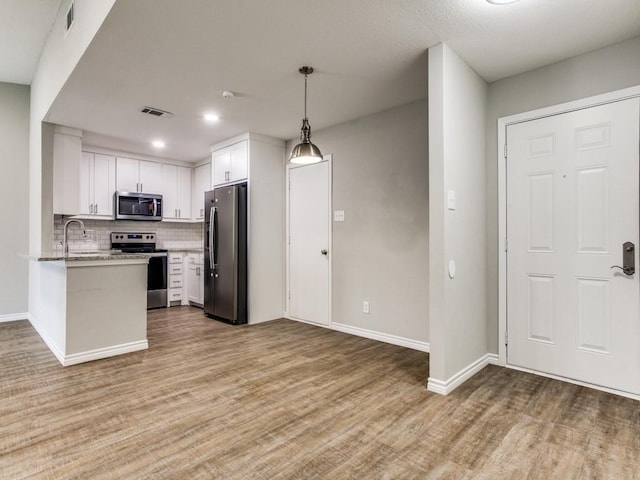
[
  {"x": 97, "y": 184},
  {"x": 221, "y": 166},
  {"x": 85, "y": 188},
  {"x": 201, "y": 184},
  {"x": 195, "y": 283},
  {"x": 239, "y": 163},
  {"x": 176, "y": 192},
  {"x": 150, "y": 177},
  {"x": 170, "y": 191},
  {"x": 184, "y": 192},
  {"x": 230, "y": 164},
  {"x": 127, "y": 175},
  {"x": 66, "y": 167},
  {"x": 104, "y": 179}
]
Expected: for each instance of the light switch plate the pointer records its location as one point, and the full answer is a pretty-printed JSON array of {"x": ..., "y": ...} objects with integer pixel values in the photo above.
[
  {"x": 451, "y": 199},
  {"x": 338, "y": 216}
]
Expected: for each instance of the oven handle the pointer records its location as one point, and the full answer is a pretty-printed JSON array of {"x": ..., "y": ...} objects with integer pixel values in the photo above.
[{"x": 155, "y": 207}]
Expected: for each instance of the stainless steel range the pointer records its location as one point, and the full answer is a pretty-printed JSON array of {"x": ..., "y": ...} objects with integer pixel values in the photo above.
[{"x": 129, "y": 242}]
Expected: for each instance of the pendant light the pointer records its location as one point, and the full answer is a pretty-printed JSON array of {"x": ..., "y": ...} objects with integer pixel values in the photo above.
[{"x": 305, "y": 152}]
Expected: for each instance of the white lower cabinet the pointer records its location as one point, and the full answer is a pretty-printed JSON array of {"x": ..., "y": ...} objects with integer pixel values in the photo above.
[
  {"x": 195, "y": 283},
  {"x": 174, "y": 278}
]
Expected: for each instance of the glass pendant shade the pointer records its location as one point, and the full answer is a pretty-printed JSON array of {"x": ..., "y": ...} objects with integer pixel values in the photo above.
[{"x": 305, "y": 152}]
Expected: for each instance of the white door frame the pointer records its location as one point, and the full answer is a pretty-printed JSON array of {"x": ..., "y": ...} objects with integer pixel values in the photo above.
[
  {"x": 329, "y": 159},
  {"x": 503, "y": 123}
]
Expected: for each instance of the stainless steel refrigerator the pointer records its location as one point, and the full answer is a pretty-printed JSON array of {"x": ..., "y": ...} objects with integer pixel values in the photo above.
[{"x": 225, "y": 254}]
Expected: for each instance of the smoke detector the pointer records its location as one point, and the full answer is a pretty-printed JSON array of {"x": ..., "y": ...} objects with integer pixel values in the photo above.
[{"x": 156, "y": 112}]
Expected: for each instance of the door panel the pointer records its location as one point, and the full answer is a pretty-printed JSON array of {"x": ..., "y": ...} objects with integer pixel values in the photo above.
[
  {"x": 309, "y": 237},
  {"x": 572, "y": 202}
]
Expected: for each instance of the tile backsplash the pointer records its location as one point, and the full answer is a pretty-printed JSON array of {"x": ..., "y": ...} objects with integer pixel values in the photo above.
[{"x": 171, "y": 235}]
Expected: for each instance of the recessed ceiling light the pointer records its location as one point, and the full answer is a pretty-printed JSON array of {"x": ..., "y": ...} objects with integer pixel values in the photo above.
[
  {"x": 158, "y": 144},
  {"x": 211, "y": 117},
  {"x": 502, "y": 2}
]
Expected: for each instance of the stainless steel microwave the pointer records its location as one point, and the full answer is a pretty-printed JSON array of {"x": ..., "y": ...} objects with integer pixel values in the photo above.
[{"x": 138, "y": 206}]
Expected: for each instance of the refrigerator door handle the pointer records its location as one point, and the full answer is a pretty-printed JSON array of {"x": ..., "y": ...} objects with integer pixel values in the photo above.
[
  {"x": 213, "y": 252},
  {"x": 211, "y": 238}
]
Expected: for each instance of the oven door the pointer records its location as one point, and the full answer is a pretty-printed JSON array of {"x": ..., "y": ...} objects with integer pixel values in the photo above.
[{"x": 157, "y": 281}]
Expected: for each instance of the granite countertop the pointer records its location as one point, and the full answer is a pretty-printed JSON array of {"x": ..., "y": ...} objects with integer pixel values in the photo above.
[{"x": 90, "y": 256}]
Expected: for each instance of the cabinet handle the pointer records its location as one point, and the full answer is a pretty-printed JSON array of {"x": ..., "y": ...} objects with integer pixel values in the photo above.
[
  {"x": 91, "y": 208},
  {"x": 179, "y": 213},
  {"x": 95, "y": 208},
  {"x": 202, "y": 212},
  {"x": 140, "y": 187}
]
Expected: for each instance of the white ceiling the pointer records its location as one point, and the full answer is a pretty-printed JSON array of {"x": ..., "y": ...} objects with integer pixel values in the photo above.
[
  {"x": 24, "y": 27},
  {"x": 369, "y": 55}
]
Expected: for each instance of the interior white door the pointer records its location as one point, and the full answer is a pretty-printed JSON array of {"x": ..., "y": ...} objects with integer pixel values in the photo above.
[
  {"x": 572, "y": 203},
  {"x": 309, "y": 243}
]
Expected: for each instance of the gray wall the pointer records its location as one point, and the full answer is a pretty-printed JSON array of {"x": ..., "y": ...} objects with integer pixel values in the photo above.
[
  {"x": 14, "y": 196},
  {"x": 593, "y": 73},
  {"x": 457, "y": 133},
  {"x": 380, "y": 252}
]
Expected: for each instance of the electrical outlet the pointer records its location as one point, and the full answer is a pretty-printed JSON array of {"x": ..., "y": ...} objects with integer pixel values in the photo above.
[{"x": 365, "y": 306}]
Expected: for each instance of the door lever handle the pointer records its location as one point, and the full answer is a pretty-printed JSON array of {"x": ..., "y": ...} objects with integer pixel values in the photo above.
[
  {"x": 628, "y": 259},
  {"x": 626, "y": 270}
]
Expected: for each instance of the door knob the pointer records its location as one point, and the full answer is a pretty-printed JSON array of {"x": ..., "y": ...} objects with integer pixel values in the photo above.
[
  {"x": 628, "y": 259},
  {"x": 324, "y": 252}
]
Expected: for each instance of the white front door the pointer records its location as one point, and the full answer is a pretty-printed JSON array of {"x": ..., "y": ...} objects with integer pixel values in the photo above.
[
  {"x": 309, "y": 243},
  {"x": 572, "y": 204}
]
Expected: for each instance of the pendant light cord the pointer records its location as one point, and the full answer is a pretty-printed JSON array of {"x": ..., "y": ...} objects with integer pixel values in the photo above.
[{"x": 305, "y": 95}]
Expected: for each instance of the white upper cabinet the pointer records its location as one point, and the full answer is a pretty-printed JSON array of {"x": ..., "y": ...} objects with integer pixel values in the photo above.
[
  {"x": 97, "y": 184},
  {"x": 67, "y": 150},
  {"x": 138, "y": 176},
  {"x": 201, "y": 184},
  {"x": 176, "y": 192},
  {"x": 230, "y": 164}
]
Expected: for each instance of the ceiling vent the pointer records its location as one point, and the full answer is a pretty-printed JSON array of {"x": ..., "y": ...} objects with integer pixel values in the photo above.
[{"x": 156, "y": 112}]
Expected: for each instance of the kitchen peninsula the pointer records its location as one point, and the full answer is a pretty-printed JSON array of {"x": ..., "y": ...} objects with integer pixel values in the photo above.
[{"x": 92, "y": 306}]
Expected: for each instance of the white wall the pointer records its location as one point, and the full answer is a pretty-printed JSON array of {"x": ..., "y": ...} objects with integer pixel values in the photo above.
[
  {"x": 380, "y": 251},
  {"x": 59, "y": 57},
  {"x": 457, "y": 307},
  {"x": 593, "y": 73},
  {"x": 14, "y": 196}
]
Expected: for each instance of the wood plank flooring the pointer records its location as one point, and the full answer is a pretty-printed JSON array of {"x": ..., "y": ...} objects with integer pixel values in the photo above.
[{"x": 285, "y": 400}]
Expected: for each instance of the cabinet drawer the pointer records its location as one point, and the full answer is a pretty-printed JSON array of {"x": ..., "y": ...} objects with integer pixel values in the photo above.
[
  {"x": 175, "y": 281},
  {"x": 175, "y": 269},
  {"x": 175, "y": 294},
  {"x": 175, "y": 258}
]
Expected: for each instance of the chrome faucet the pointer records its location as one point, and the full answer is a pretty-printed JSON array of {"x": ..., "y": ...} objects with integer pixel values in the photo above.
[{"x": 65, "y": 244}]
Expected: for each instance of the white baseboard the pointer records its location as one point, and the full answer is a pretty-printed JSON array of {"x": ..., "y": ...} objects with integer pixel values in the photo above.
[
  {"x": 106, "y": 352},
  {"x": 46, "y": 339},
  {"x": 371, "y": 334},
  {"x": 447, "y": 386},
  {"x": 89, "y": 355},
  {"x": 14, "y": 317}
]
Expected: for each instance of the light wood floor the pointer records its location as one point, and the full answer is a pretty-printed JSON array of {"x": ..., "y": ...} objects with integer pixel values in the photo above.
[{"x": 285, "y": 400}]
